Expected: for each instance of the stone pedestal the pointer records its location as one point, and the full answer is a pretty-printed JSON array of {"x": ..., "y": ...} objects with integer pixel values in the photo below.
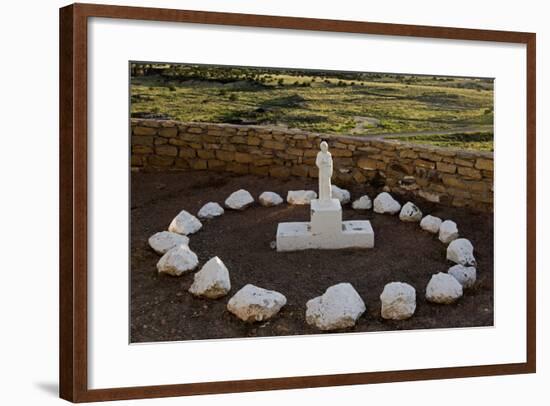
[
  {"x": 325, "y": 231},
  {"x": 326, "y": 216}
]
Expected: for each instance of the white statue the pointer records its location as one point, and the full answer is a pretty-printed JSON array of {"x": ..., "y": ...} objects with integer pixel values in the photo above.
[
  {"x": 324, "y": 163},
  {"x": 326, "y": 230}
]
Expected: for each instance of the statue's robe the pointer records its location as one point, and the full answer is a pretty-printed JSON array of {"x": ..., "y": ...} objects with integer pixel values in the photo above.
[{"x": 324, "y": 163}]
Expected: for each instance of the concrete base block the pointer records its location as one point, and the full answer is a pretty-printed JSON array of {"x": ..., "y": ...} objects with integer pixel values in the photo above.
[
  {"x": 325, "y": 231},
  {"x": 299, "y": 236}
]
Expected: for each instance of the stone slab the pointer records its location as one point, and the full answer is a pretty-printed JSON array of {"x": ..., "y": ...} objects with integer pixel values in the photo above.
[{"x": 299, "y": 236}]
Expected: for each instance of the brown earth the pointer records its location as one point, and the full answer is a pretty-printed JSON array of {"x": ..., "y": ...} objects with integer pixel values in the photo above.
[{"x": 162, "y": 309}]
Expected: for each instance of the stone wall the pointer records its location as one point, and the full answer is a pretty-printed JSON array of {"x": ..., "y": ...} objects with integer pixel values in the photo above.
[{"x": 447, "y": 176}]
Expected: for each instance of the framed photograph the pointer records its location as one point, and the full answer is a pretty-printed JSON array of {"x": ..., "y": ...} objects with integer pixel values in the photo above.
[{"x": 255, "y": 202}]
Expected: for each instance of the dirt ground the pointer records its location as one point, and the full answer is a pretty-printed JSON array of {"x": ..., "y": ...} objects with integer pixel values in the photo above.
[{"x": 162, "y": 309}]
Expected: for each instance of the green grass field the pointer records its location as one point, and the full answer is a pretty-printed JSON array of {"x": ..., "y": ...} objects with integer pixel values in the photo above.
[
  {"x": 476, "y": 141},
  {"x": 362, "y": 104}
]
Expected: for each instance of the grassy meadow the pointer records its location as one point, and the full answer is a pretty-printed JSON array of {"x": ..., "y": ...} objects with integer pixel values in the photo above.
[
  {"x": 445, "y": 111},
  {"x": 480, "y": 141}
]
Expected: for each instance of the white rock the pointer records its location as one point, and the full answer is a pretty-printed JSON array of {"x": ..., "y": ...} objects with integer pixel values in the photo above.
[
  {"x": 448, "y": 231},
  {"x": 410, "y": 212},
  {"x": 385, "y": 203},
  {"x": 210, "y": 210},
  {"x": 300, "y": 196},
  {"x": 461, "y": 251},
  {"x": 269, "y": 199},
  {"x": 443, "y": 288},
  {"x": 212, "y": 281},
  {"x": 239, "y": 200},
  {"x": 164, "y": 241},
  {"x": 429, "y": 196},
  {"x": 252, "y": 303},
  {"x": 341, "y": 194},
  {"x": 398, "y": 301},
  {"x": 338, "y": 308},
  {"x": 363, "y": 203},
  {"x": 465, "y": 275},
  {"x": 185, "y": 223},
  {"x": 431, "y": 224},
  {"x": 178, "y": 260}
]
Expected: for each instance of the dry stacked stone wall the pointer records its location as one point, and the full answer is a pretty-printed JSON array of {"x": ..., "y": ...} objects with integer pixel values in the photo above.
[{"x": 447, "y": 176}]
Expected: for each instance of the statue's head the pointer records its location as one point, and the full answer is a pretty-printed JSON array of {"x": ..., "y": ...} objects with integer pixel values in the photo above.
[{"x": 324, "y": 146}]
